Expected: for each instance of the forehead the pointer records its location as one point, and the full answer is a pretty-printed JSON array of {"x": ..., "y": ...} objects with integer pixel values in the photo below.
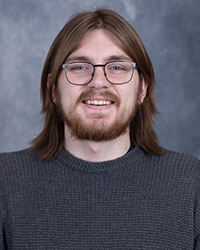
[{"x": 99, "y": 44}]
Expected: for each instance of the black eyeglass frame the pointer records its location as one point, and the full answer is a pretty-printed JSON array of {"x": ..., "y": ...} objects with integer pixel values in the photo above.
[{"x": 134, "y": 65}]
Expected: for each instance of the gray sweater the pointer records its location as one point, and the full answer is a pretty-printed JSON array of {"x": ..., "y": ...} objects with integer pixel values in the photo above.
[{"x": 137, "y": 201}]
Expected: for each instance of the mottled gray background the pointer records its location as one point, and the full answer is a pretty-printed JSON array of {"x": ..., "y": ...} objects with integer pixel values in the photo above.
[{"x": 170, "y": 30}]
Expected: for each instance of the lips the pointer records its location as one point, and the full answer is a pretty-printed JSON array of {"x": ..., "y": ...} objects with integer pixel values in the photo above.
[
  {"x": 98, "y": 102},
  {"x": 98, "y": 99}
]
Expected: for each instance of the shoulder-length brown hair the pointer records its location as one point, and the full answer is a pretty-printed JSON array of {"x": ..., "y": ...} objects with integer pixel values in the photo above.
[{"x": 50, "y": 141}]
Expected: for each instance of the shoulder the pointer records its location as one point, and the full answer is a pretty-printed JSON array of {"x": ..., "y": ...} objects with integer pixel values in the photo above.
[
  {"x": 19, "y": 170},
  {"x": 16, "y": 158},
  {"x": 172, "y": 158},
  {"x": 178, "y": 165},
  {"x": 17, "y": 163},
  {"x": 180, "y": 159}
]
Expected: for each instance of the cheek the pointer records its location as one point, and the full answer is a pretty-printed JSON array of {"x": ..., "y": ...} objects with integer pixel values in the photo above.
[
  {"x": 69, "y": 97},
  {"x": 130, "y": 101},
  {"x": 130, "y": 94}
]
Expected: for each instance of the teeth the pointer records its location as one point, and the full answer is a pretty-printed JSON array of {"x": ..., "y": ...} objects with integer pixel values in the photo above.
[{"x": 98, "y": 102}]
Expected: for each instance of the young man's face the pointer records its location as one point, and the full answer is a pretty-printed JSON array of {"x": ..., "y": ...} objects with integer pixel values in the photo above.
[{"x": 99, "y": 111}]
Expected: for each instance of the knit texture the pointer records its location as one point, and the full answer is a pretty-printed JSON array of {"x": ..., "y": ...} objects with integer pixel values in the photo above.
[{"x": 137, "y": 201}]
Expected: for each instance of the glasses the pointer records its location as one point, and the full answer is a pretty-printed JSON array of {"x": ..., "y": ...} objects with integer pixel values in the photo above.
[{"x": 82, "y": 73}]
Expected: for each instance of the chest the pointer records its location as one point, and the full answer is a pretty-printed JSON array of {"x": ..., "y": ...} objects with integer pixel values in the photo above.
[{"x": 100, "y": 212}]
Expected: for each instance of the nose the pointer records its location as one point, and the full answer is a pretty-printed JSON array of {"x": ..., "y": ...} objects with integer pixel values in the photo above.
[{"x": 99, "y": 79}]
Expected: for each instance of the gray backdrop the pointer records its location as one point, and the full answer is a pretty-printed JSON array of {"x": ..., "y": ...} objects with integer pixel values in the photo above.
[{"x": 170, "y": 30}]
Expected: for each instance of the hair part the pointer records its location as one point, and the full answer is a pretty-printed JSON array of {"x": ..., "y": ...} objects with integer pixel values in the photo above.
[{"x": 50, "y": 141}]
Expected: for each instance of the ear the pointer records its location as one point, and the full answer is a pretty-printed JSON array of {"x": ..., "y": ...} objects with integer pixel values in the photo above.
[
  {"x": 143, "y": 88},
  {"x": 53, "y": 88}
]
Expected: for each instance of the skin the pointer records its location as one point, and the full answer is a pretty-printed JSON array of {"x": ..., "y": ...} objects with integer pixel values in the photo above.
[{"x": 99, "y": 47}]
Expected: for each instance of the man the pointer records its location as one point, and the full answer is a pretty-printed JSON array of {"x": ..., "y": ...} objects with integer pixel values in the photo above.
[{"x": 96, "y": 177}]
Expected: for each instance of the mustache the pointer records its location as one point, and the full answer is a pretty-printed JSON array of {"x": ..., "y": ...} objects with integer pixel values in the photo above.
[{"x": 91, "y": 93}]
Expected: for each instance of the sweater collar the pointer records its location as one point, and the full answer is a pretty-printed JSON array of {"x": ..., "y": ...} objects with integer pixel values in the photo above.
[{"x": 132, "y": 157}]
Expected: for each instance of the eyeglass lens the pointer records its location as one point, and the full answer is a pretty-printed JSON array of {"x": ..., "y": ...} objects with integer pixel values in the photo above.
[{"x": 82, "y": 73}]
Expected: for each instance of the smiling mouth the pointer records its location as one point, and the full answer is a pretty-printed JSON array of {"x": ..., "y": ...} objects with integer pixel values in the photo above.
[{"x": 98, "y": 102}]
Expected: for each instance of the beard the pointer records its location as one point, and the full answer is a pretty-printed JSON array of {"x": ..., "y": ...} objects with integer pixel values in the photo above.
[{"x": 97, "y": 129}]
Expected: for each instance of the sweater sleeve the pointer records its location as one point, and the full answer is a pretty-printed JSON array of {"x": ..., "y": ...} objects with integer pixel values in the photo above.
[
  {"x": 197, "y": 245},
  {"x": 197, "y": 215},
  {"x": 2, "y": 236}
]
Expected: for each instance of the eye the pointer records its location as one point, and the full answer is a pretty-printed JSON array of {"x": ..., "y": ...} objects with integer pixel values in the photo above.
[
  {"x": 117, "y": 67},
  {"x": 78, "y": 67}
]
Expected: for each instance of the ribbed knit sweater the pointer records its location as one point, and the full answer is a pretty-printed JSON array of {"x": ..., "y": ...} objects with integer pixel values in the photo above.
[{"x": 137, "y": 201}]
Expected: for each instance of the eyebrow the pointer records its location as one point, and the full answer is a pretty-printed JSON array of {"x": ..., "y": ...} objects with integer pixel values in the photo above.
[
  {"x": 77, "y": 58},
  {"x": 110, "y": 58},
  {"x": 119, "y": 58}
]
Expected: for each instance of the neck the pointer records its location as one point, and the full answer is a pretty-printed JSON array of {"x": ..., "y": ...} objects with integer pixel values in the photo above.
[{"x": 97, "y": 151}]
